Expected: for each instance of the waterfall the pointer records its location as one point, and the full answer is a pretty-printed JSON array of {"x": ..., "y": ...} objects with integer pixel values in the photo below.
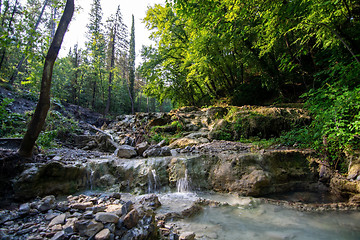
[
  {"x": 152, "y": 181},
  {"x": 183, "y": 184}
]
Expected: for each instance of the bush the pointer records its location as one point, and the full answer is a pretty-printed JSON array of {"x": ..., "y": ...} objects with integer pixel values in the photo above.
[{"x": 10, "y": 122}]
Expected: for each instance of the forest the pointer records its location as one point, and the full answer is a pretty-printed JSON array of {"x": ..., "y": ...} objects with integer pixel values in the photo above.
[
  {"x": 204, "y": 53},
  {"x": 241, "y": 121}
]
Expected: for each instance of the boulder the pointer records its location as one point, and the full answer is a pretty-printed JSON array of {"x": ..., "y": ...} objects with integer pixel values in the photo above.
[
  {"x": 142, "y": 147},
  {"x": 131, "y": 219},
  {"x": 103, "y": 234},
  {"x": 58, "y": 220},
  {"x": 88, "y": 228},
  {"x": 184, "y": 142},
  {"x": 126, "y": 151},
  {"x": 151, "y": 201},
  {"x": 187, "y": 236},
  {"x": 106, "y": 217}
]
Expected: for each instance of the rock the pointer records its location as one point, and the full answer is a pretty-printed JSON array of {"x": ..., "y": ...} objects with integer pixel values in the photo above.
[
  {"x": 191, "y": 211},
  {"x": 127, "y": 207},
  {"x": 82, "y": 206},
  {"x": 88, "y": 228},
  {"x": 184, "y": 142},
  {"x": 105, "y": 217},
  {"x": 126, "y": 151},
  {"x": 59, "y": 236},
  {"x": 58, "y": 220},
  {"x": 354, "y": 171},
  {"x": 151, "y": 201},
  {"x": 142, "y": 147},
  {"x": 116, "y": 195},
  {"x": 106, "y": 180},
  {"x": 131, "y": 219},
  {"x": 46, "y": 203},
  {"x": 165, "y": 151},
  {"x": 187, "y": 236},
  {"x": 152, "y": 151},
  {"x": 103, "y": 234},
  {"x": 24, "y": 209}
]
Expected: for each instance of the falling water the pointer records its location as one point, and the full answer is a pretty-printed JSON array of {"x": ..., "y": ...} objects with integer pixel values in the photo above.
[
  {"x": 91, "y": 179},
  {"x": 152, "y": 181},
  {"x": 182, "y": 184}
]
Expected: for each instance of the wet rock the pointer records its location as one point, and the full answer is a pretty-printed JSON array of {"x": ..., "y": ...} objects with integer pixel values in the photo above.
[
  {"x": 142, "y": 147},
  {"x": 131, "y": 219},
  {"x": 187, "y": 236},
  {"x": 126, "y": 151},
  {"x": 191, "y": 211},
  {"x": 151, "y": 201},
  {"x": 105, "y": 217},
  {"x": 103, "y": 234}
]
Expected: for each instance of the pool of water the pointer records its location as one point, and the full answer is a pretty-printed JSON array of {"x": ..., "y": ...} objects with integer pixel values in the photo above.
[{"x": 266, "y": 221}]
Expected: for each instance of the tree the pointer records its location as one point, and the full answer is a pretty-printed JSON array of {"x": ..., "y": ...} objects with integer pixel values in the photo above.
[
  {"x": 132, "y": 67},
  {"x": 39, "y": 117},
  {"x": 96, "y": 46},
  {"x": 118, "y": 43}
]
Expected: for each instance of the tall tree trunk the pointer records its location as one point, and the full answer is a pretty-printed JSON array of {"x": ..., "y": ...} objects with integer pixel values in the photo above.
[
  {"x": 38, "y": 120},
  {"x": 3, "y": 51},
  {"x": 29, "y": 43},
  {"x": 111, "y": 74}
]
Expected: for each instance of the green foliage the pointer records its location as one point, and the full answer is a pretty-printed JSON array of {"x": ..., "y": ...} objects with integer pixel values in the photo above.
[{"x": 9, "y": 122}]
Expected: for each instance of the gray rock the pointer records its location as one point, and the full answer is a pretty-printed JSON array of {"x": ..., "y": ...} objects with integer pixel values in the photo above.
[
  {"x": 24, "y": 209},
  {"x": 126, "y": 151},
  {"x": 142, "y": 147},
  {"x": 88, "y": 228},
  {"x": 59, "y": 236},
  {"x": 103, "y": 234},
  {"x": 58, "y": 220},
  {"x": 82, "y": 206},
  {"x": 187, "y": 236},
  {"x": 106, "y": 217},
  {"x": 152, "y": 151}
]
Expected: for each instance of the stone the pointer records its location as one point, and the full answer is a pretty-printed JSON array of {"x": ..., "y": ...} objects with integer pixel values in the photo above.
[
  {"x": 126, "y": 151},
  {"x": 116, "y": 195},
  {"x": 127, "y": 207},
  {"x": 354, "y": 171},
  {"x": 106, "y": 217},
  {"x": 152, "y": 151},
  {"x": 88, "y": 228},
  {"x": 46, "y": 203},
  {"x": 131, "y": 219},
  {"x": 58, "y": 220},
  {"x": 82, "y": 206},
  {"x": 24, "y": 209},
  {"x": 59, "y": 236},
  {"x": 165, "y": 151},
  {"x": 142, "y": 147},
  {"x": 187, "y": 236},
  {"x": 184, "y": 142},
  {"x": 151, "y": 201},
  {"x": 103, "y": 234}
]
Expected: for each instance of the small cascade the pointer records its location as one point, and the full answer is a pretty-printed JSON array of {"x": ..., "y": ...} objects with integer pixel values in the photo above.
[
  {"x": 152, "y": 181},
  {"x": 183, "y": 184},
  {"x": 91, "y": 179}
]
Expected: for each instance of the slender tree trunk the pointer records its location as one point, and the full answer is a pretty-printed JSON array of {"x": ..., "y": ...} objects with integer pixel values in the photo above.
[
  {"x": 29, "y": 43},
  {"x": 111, "y": 75},
  {"x": 3, "y": 51},
  {"x": 38, "y": 120}
]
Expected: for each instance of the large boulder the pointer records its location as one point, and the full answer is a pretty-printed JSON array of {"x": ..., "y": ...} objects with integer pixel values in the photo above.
[
  {"x": 50, "y": 178},
  {"x": 126, "y": 151}
]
